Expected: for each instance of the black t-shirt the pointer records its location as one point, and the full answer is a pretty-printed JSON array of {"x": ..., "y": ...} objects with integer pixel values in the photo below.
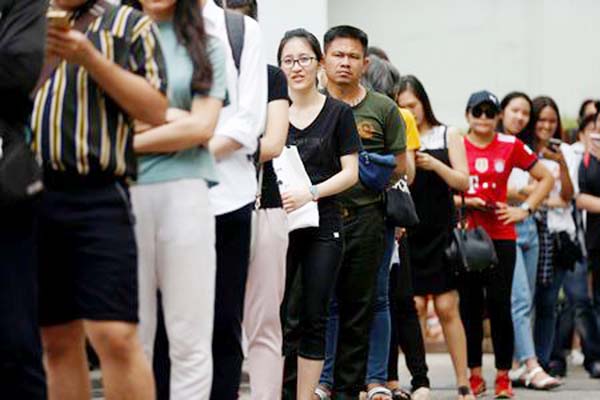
[
  {"x": 22, "y": 37},
  {"x": 270, "y": 196},
  {"x": 321, "y": 144},
  {"x": 589, "y": 183}
]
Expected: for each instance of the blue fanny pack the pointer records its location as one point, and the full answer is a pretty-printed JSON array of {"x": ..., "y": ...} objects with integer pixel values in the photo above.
[{"x": 375, "y": 170}]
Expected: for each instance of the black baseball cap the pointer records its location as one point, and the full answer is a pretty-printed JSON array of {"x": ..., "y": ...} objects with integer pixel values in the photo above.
[{"x": 483, "y": 96}]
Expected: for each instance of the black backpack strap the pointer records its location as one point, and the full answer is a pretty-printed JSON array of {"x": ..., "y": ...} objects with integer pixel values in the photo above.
[{"x": 236, "y": 30}]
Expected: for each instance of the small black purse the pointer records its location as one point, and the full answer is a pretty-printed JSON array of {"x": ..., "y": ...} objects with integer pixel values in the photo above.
[
  {"x": 400, "y": 209},
  {"x": 470, "y": 249},
  {"x": 20, "y": 173}
]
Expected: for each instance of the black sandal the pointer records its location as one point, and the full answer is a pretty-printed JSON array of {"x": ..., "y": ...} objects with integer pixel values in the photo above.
[{"x": 464, "y": 391}]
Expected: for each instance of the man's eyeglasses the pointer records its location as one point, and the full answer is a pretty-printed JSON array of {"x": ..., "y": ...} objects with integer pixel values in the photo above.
[
  {"x": 490, "y": 113},
  {"x": 304, "y": 61}
]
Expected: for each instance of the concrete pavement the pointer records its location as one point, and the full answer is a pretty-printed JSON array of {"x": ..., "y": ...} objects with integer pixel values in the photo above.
[{"x": 577, "y": 386}]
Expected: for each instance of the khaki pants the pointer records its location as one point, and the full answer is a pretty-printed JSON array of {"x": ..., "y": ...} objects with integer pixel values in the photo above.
[
  {"x": 264, "y": 294},
  {"x": 176, "y": 243}
]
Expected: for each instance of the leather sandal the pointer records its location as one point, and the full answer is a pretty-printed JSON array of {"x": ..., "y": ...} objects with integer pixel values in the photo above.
[
  {"x": 547, "y": 383},
  {"x": 322, "y": 393}
]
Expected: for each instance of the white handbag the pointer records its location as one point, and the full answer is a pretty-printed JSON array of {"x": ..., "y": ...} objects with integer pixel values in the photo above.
[{"x": 291, "y": 173}]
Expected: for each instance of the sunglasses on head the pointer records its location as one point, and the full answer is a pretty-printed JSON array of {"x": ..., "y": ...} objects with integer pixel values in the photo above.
[{"x": 486, "y": 110}]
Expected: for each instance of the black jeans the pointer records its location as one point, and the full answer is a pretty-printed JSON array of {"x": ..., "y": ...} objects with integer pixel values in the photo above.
[
  {"x": 313, "y": 261},
  {"x": 579, "y": 313},
  {"x": 21, "y": 372},
  {"x": 316, "y": 256},
  {"x": 233, "y": 254},
  {"x": 406, "y": 329},
  {"x": 492, "y": 289},
  {"x": 364, "y": 232}
]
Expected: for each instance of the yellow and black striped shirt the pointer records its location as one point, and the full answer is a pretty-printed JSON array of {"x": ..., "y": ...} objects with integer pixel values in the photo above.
[{"x": 78, "y": 128}]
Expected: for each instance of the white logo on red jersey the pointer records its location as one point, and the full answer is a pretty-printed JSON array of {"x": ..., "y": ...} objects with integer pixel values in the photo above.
[
  {"x": 499, "y": 165},
  {"x": 481, "y": 165}
]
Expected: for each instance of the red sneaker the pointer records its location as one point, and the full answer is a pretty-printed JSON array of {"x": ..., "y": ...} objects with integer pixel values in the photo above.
[
  {"x": 477, "y": 385},
  {"x": 503, "y": 387}
]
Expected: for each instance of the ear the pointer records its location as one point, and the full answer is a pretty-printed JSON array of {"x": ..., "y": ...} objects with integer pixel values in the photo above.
[{"x": 366, "y": 63}]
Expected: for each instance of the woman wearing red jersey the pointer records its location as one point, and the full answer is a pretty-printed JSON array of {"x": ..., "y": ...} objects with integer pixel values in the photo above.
[{"x": 491, "y": 157}]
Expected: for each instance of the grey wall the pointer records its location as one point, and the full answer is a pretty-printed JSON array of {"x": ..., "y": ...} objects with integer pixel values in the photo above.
[
  {"x": 278, "y": 16},
  {"x": 456, "y": 47}
]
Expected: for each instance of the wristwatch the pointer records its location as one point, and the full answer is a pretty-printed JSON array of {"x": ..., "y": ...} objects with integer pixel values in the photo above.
[
  {"x": 525, "y": 206},
  {"x": 314, "y": 192}
]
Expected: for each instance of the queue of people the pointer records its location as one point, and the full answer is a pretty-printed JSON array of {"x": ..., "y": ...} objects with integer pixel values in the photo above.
[{"x": 159, "y": 128}]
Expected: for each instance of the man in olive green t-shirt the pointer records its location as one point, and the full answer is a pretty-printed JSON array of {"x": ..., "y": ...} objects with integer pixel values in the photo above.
[{"x": 382, "y": 131}]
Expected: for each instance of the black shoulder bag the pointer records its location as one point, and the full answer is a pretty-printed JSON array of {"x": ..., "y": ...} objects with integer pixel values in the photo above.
[
  {"x": 470, "y": 249},
  {"x": 400, "y": 209},
  {"x": 20, "y": 173}
]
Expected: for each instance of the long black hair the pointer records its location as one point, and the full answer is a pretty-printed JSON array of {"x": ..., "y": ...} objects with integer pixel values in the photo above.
[
  {"x": 539, "y": 103},
  {"x": 410, "y": 82},
  {"x": 506, "y": 101},
  {"x": 189, "y": 30},
  {"x": 300, "y": 33}
]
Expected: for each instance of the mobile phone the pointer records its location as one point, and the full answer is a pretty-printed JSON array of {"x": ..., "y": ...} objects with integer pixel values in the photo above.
[
  {"x": 554, "y": 144},
  {"x": 58, "y": 19}
]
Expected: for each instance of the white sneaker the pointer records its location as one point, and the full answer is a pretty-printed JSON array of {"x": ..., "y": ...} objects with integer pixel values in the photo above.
[
  {"x": 421, "y": 393},
  {"x": 576, "y": 357}
]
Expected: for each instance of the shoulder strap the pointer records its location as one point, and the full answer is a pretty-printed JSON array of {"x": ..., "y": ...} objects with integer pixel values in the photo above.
[
  {"x": 81, "y": 24},
  {"x": 236, "y": 29},
  {"x": 445, "y": 137}
]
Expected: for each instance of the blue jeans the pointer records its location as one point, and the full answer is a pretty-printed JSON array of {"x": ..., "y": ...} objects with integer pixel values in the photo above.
[
  {"x": 523, "y": 288},
  {"x": 546, "y": 298},
  {"x": 379, "y": 336},
  {"x": 586, "y": 319}
]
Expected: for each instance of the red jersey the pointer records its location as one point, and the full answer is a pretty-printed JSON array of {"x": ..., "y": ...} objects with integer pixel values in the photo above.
[{"x": 489, "y": 169}]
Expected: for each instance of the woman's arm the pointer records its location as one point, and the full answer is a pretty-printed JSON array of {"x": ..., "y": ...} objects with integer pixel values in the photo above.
[
  {"x": 343, "y": 180},
  {"x": 511, "y": 215},
  {"x": 456, "y": 177},
  {"x": 182, "y": 133},
  {"x": 272, "y": 142},
  {"x": 410, "y": 166},
  {"x": 566, "y": 185},
  {"x": 589, "y": 203}
]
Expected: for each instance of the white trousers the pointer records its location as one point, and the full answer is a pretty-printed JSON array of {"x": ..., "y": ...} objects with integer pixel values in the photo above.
[
  {"x": 264, "y": 293},
  {"x": 176, "y": 249}
]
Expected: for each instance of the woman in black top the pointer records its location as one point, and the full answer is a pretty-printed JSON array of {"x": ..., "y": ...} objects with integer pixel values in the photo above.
[
  {"x": 325, "y": 133},
  {"x": 441, "y": 167}
]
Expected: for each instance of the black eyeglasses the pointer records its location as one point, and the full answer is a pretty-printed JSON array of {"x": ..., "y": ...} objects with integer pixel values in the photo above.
[
  {"x": 304, "y": 61},
  {"x": 490, "y": 113}
]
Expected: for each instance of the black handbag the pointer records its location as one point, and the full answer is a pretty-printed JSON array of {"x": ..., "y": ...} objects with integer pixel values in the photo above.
[
  {"x": 470, "y": 249},
  {"x": 400, "y": 209},
  {"x": 20, "y": 173},
  {"x": 567, "y": 252}
]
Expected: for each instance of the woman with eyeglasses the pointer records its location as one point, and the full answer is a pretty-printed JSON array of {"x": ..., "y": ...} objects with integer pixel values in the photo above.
[
  {"x": 491, "y": 157},
  {"x": 515, "y": 118},
  {"x": 441, "y": 167},
  {"x": 325, "y": 133}
]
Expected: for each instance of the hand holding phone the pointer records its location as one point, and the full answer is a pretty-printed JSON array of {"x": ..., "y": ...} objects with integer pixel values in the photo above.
[
  {"x": 554, "y": 145},
  {"x": 58, "y": 19}
]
